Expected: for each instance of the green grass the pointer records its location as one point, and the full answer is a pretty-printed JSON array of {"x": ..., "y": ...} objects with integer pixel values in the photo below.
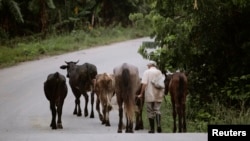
[
  {"x": 222, "y": 116},
  {"x": 32, "y": 49}
]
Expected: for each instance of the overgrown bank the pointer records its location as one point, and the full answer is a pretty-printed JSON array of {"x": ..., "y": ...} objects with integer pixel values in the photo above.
[{"x": 31, "y": 48}]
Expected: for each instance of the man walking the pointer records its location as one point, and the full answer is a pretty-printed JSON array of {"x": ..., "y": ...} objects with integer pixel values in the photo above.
[{"x": 153, "y": 96}]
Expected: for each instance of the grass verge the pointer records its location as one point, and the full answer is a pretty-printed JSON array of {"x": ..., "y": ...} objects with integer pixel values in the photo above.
[{"x": 58, "y": 44}]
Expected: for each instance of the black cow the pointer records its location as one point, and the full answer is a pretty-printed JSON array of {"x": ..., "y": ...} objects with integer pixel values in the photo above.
[
  {"x": 56, "y": 90},
  {"x": 81, "y": 81}
]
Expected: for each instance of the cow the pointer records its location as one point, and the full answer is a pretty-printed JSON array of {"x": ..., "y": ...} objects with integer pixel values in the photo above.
[
  {"x": 127, "y": 82},
  {"x": 81, "y": 80},
  {"x": 56, "y": 90},
  {"x": 105, "y": 89},
  {"x": 177, "y": 85}
]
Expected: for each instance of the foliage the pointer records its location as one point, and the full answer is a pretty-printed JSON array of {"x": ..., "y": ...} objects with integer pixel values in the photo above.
[
  {"x": 13, "y": 8},
  {"x": 31, "y": 48},
  {"x": 28, "y": 17},
  {"x": 237, "y": 92},
  {"x": 221, "y": 44},
  {"x": 9, "y": 8},
  {"x": 208, "y": 40}
]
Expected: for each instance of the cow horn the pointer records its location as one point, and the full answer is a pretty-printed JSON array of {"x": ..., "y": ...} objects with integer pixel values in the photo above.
[
  {"x": 66, "y": 62},
  {"x": 76, "y": 61}
]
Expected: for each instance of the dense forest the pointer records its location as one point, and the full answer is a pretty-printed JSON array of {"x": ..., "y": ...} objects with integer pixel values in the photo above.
[
  {"x": 209, "y": 40},
  {"x": 31, "y": 17}
]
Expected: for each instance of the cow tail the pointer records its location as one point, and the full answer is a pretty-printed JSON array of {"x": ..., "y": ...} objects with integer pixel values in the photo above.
[
  {"x": 127, "y": 94},
  {"x": 58, "y": 83},
  {"x": 181, "y": 87}
]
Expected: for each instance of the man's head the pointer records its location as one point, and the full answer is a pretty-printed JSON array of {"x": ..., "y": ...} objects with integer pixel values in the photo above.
[{"x": 151, "y": 64}]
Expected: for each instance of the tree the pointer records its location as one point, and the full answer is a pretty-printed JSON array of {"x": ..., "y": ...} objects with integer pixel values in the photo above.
[
  {"x": 209, "y": 40},
  {"x": 10, "y": 17}
]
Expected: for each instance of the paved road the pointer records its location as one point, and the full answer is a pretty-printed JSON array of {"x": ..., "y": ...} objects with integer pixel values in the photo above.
[{"x": 24, "y": 110}]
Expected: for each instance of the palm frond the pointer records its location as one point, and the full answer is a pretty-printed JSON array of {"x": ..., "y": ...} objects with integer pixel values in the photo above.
[
  {"x": 15, "y": 11},
  {"x": 50, "y": 4}
]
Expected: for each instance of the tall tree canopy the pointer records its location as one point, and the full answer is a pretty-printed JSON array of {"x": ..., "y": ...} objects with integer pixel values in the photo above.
[
  {"x": 210, "y": 41},
  {"x": 29, "y": 17}
]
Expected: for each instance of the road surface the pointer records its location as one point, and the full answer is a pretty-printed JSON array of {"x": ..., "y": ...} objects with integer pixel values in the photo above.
[{"x": 25, "y": 113}]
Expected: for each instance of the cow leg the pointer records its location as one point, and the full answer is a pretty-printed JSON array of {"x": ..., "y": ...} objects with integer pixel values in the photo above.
[
  {"x": 179, "y": 112},
  {"x": 120, "y": 124},
  {"x": 92, "y": 103},
  {"x": 184, "y": 118},
  {"x": 107, "y": 119},
  {"x": 104, "y": 114},
  {"x": 138, "y": 115},
  {"x": 86, "y": 112},
  {"x": 137, "y": 121},
  {"x": 59, "y": 120},
  {"x": 77, "y": 110},
  {"x": 174, "y": 116},
  {"x": 140, "y": 120},
  {"x": 53, "y": 111},
  {"x": 107, "y": 115},
  {"x": 129, "y": 125},
  {"x": 98, "y": 109},
  {"x": 108, "y": 108}
]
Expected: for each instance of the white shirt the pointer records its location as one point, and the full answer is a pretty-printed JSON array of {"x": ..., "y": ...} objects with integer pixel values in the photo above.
[{"x": 151, "y": 93}]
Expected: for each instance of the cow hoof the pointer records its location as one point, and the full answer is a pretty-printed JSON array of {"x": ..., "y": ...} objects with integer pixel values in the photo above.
[
  {"x": 86, "y": 114},
  {"x": 59, "y": 126},
  {"x": 92, "y": 115},
  {"x": 53, "y": 127},
  {"x": 101, "y": 118},
  {"x": 79, "y": 114},
  {"x": 137, "y": 128},
  {"x": 103, "y": 122},
  {"x": 75, "y": 112},
  {"x": 119, "y": 131},
  {"x": 129, "y": 131},
  {"x": 109, "y": 108},
  {"x": 107, "y": 124}
]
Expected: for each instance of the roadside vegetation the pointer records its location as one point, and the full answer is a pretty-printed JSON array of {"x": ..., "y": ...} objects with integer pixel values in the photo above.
[
  {"x": 31, "y": 48},
  {"x": 207, "y": 39}
]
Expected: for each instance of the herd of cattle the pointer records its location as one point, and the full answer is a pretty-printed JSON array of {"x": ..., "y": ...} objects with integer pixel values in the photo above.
[{"x": 123, "y": 83}]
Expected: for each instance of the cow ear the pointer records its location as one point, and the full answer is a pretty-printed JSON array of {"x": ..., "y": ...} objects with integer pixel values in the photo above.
[{"x": 63, "y": 66}]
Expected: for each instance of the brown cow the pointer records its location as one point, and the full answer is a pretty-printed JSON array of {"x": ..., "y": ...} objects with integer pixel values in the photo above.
[
  {"x": 104, "y": 88},
  {"x": 127, "y": 82},
  {"x": 176, "y": 84}
]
